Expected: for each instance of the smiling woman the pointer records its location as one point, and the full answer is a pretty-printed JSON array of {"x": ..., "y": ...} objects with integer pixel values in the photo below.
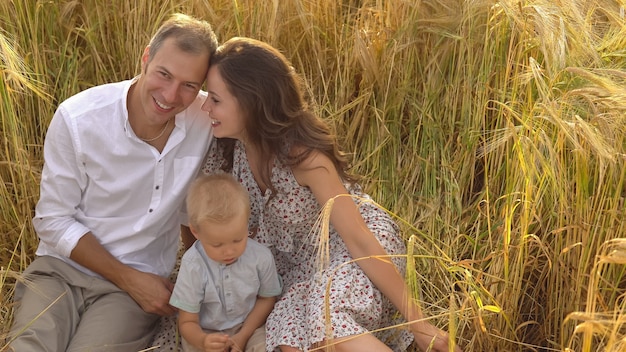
[
  {"x": 293, "y": 168},
  {"x": 224, "y": 109}
]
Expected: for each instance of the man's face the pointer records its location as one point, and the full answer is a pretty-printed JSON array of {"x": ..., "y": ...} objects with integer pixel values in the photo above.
[{"x": 170, "y": 81}]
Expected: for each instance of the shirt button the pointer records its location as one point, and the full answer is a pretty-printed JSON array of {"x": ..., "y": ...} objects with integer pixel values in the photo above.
[
  {"x": 157, "y": 187},
  {"x": 150, "y": 211}
]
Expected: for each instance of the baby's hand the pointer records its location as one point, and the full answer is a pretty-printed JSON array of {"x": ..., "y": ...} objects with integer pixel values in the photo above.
[
  {"x": 238, "y": 343},
  {"x": 215, "y": 342}
]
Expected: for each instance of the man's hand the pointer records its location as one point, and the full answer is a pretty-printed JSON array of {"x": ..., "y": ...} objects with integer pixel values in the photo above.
[{"x": 150, "y": 291}]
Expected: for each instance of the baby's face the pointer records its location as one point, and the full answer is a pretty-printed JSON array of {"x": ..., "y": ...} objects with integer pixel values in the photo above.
[{"x": 224, "y": 242}]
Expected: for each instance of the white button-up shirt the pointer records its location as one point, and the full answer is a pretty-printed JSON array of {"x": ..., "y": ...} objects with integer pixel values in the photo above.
[{"x": 99, "y": 177}]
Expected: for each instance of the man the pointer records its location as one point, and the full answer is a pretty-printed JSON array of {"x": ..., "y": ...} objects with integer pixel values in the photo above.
[{"x": 118, "y": 159}]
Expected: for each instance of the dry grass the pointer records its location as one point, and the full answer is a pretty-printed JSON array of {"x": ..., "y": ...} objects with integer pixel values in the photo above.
[{"x": 495, "y": 130}]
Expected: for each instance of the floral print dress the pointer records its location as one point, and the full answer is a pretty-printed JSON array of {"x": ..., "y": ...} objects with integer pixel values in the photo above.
[{"x": 286, "y": 223}]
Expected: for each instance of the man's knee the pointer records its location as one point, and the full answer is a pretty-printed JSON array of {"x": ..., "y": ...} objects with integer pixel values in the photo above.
[
  {"x": 44, "y": 316},
  {"x": 116, "y": 321}
]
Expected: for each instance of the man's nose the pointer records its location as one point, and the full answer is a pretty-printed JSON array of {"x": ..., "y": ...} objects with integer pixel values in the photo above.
[{"x": 171, "y": 93}]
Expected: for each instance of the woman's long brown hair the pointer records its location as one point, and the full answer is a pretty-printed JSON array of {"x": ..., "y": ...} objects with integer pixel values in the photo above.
[{"x": 278, "y": 120}]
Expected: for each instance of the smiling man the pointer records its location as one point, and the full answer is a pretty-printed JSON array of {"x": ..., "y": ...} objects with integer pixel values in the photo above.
[{"x": 118, "y": 159}]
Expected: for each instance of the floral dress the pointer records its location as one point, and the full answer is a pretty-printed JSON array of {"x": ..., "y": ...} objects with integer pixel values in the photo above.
[{"x": 287, "y": 224}]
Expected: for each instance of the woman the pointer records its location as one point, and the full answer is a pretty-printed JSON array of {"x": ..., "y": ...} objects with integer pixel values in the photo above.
[{"x": 291, "y": 165}]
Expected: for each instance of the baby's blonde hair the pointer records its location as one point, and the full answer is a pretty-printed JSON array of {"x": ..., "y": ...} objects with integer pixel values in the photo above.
[{"x": 216, "y": 198}]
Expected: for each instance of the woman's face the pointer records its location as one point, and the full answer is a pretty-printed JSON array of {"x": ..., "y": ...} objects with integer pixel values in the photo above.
[{"x": 227, "y": 118}]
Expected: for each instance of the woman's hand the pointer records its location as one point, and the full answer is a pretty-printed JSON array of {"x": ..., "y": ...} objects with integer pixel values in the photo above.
[{"x": 429, "y": 338}]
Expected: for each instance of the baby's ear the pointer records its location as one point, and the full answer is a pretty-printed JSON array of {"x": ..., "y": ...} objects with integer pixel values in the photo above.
[{"x": 193, "y": 231}]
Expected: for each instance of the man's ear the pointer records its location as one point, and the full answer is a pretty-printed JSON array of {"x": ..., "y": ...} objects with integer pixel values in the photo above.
[{"x": 144, "y": 58}]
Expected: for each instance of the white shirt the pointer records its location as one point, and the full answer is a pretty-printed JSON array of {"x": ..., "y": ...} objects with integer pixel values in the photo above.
[
  {"x": 99, "y": 177},
  {"x": 224, "y": 295}
]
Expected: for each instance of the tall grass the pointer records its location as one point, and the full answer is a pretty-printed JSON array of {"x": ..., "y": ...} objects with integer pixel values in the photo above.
[{"x": 494, "y": 130}]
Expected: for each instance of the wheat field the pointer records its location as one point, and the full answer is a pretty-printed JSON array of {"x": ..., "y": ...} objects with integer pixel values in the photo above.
[{"x": 495, "y": 131}]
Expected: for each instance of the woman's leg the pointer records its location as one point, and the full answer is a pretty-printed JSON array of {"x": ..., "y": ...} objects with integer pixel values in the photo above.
[{"x": 361, "y": 343}]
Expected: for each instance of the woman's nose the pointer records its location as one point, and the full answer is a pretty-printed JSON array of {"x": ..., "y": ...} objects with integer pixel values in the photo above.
[{"x": 206, "y": 106}]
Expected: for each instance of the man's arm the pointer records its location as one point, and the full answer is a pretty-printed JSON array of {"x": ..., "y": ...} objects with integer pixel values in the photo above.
[
  {"x": 150, "y": 291},
  {"x": 62, "y": 184}
]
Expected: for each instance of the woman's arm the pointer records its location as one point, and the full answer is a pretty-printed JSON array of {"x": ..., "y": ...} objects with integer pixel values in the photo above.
[{"x": 319, "y": 174}]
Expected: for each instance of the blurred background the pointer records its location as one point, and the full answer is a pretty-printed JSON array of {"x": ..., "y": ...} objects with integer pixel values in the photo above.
[{"x": 495, "y": 131}]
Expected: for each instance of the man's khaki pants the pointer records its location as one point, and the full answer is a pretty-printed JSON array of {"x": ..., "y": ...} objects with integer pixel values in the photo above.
[{"x": 60, "y": 308}]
